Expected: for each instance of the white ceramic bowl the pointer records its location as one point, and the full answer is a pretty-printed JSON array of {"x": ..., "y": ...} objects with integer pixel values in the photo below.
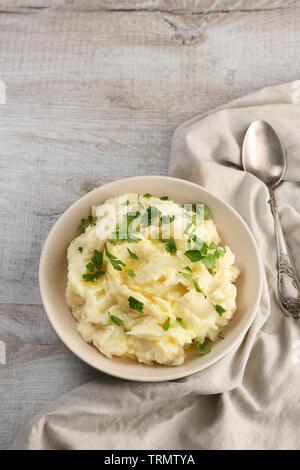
[{"x": 233, "y": 232}]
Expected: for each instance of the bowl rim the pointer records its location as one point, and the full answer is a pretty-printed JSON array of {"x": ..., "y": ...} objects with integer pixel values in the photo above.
[{"x": 142, "y": 378}]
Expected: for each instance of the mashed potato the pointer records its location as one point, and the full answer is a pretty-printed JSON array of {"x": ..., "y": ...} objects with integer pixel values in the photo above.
[{"x": 147, "y": 278}]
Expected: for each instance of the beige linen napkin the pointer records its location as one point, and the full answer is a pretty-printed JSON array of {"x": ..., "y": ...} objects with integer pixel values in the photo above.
[{"x": 249, "y": 399}]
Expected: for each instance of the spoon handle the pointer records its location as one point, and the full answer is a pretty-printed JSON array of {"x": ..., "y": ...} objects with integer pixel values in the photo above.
[{"x": 288, "y": 282}]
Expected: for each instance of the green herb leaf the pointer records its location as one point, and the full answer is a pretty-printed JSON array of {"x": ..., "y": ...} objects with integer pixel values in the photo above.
[
  {"x": 204, "y": 247},
  {"x": 97, "y": 259},
  {"x": 166, "y": 325},
  {"x": 219, "y": 252},
  {"x": 135, "y": 304},
  {"x": 171, "y": 246},
  {"x": 90, "y": 267},
  {"x": 198, "y": 288},
  {"x": 221, "y": 335},
  {"x": 116, "y": 320},
  {"x": 219, "y": 309},
  {"x": 194, "y": 255},
  {"x": 197, "y": 220},
  {"x": 202, "y": 348},
  {"x": 116, "y": 263},
  {"x": 167, "y": 219},
  {"x": 213, "y": 246},
  {"x": 188, "y": 268},
  {"x": 149, "y": 216},
  {"x": 186, "y": 275},
  {"x": 132, "y": 255},
  {"x": 199, "y": 244},
  {"x": 180, "y": 321},
  {"x": 210, "y": 262},
  {"x": 206, "y": 211},
  {"x": 92, "y": 277},
  {"x": 147, "y": 195},
  {"x": 86, "y": 222},
  {"x": 130, "y": 272},
  {"x": 80, "y": 249},
  {"x": 164, "y": 198},
  {"x": 126, "y": 203}
]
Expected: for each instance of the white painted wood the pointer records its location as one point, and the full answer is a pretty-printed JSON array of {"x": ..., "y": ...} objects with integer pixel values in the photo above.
[{"x": 95, "y": 91}]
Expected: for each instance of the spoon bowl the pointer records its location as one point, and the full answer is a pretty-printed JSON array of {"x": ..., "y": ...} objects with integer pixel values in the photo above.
[{"x": 263, "y": 154}]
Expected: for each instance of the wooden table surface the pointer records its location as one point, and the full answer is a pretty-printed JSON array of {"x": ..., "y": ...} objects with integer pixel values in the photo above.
[{"x": 94, "y": 92}]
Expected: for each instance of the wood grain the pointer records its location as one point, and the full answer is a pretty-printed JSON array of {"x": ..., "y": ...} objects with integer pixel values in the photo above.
[{"x": 95, "y": 91}]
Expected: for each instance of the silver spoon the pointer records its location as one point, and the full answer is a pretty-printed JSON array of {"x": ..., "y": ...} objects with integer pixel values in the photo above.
[{"x": 264, "y": 156}]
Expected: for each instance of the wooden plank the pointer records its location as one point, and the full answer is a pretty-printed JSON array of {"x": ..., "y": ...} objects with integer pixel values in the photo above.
[
  {"x": 38, "y": 369},
  {"x": 171, "y": 6}
]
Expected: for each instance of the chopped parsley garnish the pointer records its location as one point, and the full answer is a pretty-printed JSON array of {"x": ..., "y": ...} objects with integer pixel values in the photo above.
[
  {"x": 197, "y": 220},
  {"x": 135, "y": 304},
  {"x": 194, "y": 255},
  {"x": 188, "y": 268},
  {"x": 164, "y": 198},
  {"x": 130, "y": 272},
  {"x": 206, "y": 211},
  {"x": 219, "y": 252},
  {"x": 200, "y": 253},
  {"x": 171, "y": 246},
  {"x": 210, "y": 262},
  {"x": 202, "y": 348},
  {"x": 198, "y": 288},
  {"x": 213, "y": 246},
  {"x": 132, "y": 255},
  {"x": 92, "y": 277},
  {"x": 167, "y": 219},
  {"x": 97, "y": 259},
  {"x": 186, "y": 275},
  {"x": 116, "y": 263},
  {"x": 221, "y": 335},
  {"x": 86, "y": 222},
  {"x": 180, "y": 321},
  {"x": 126, "y": 203},
  {"x": 151, "y": 214},
  {"x": 219, "y": 309},
  {"x": 199, "y": 244},
  {"x": 147, "y": 195},
  {"x": 94, "y": 267},
  {"x": 80, "y": 249},
  {"x": 90, "y": 267},
  {"x": 116, "y": 320},
  {"x": 166, "y": 325}
]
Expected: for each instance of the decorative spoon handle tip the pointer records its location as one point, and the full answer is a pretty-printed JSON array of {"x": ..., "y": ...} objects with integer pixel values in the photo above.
[{"x": 288, "y": 282}]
